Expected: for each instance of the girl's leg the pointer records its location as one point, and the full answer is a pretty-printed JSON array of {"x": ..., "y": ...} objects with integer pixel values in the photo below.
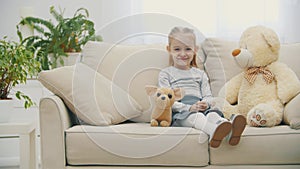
[
  {"x": 216, "y": 129},
  {"x": 214, "y": 117},
  {"x": 192, "y": 120}
]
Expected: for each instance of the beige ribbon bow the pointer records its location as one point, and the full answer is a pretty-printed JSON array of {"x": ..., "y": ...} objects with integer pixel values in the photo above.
[{"x": 252, "y": 72}]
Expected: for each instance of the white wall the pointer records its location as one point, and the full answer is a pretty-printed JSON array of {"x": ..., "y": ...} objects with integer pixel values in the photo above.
[
  {"x": 101, "y": 11},
  {"x": 290, "y": 20},
  {"x": 211, "y": 17},
  {"x": 229, "y": 18}
]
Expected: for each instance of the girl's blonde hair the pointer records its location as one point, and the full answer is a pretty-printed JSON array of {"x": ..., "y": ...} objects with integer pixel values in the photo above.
[{"x": 182, "y": 30}]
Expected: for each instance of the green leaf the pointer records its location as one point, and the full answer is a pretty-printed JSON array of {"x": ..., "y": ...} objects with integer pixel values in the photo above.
[{"x": 67, "y": 35}]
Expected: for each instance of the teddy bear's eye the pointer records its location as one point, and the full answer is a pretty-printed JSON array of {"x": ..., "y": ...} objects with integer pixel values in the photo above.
[
  {"x": 170, "y": 96},
  {"x": 158, "y": 94}
]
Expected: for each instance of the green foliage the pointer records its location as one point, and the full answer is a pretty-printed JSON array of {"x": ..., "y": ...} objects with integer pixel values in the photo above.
[
  {"x": 17, "y": 63},
  {"x": 68, "y": 35}
]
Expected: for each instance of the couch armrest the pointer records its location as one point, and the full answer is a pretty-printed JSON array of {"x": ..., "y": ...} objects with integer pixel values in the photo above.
[
  {"x": 291, "y": 114},
  {"x": 54, "y": 120}
]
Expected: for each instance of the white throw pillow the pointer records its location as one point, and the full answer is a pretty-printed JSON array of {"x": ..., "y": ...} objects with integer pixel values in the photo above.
[{"x": 90, "y": 95}]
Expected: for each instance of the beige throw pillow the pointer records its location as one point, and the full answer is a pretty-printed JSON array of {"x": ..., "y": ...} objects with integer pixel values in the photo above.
[{"x": 90, "y": 95}]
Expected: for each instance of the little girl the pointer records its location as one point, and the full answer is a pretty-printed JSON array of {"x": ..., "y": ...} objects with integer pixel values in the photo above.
[{"x": 194, "y": 109}]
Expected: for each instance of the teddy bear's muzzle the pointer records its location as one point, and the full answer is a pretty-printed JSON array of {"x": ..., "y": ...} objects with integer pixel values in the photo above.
[{"x": 243, "y": 58}]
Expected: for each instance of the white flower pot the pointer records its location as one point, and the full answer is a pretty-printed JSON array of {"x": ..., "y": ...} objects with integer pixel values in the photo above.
[
  {"x": 6, "y": 107},
  {"x": 71, "y": 59}
]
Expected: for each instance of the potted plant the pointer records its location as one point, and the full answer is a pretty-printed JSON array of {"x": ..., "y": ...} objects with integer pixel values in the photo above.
[
  {"x": 67, "y": 36},
  {"x": 17, "y": 63}
]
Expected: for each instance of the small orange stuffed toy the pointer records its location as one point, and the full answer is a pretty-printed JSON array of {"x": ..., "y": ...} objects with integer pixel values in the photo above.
[{"x": 164, "y": 99}]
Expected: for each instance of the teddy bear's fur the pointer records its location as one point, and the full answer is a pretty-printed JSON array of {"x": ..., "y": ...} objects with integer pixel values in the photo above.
[
  {"x": 164, "y": 99},
  {"x": 266, "y": 85}
]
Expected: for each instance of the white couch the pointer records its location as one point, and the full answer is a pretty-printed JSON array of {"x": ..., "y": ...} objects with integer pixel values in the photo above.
[{"x": 107, "y": 90}]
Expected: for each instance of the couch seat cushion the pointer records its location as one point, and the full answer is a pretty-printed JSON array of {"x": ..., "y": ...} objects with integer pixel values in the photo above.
[
  {"x": 136, "y": 144},
  {"x": 256, "y": 145}
]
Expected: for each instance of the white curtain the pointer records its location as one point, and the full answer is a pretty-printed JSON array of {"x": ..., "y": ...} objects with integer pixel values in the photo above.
[
  {"x": 281, "y": 15},
  {"x": 236, "y": 15},
  {"x": 229, "y": 18},
  {"x": 289, "y": 21}
]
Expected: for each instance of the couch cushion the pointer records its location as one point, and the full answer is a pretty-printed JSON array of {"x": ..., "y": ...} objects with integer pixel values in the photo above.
[
  {"x": 289, "y": 54},
  {"x": 256, "y": 143},
  {"x": 220, "y": 66},
  {"x": 136, "y": 144},
  {"x": 91, "y": 96},
  {"x": 129, "y": 66}
]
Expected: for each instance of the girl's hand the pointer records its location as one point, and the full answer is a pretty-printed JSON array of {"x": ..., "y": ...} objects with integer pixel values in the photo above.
[{"x": 199, "y": 106}]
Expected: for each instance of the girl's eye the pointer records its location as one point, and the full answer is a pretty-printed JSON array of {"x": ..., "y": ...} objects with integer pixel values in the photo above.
[
  {"x": 188, "y": 49},
  {"x": 158, "y": 94},
  {"x": 170, "y": 96},
  {"x": 176, "y": 49}
]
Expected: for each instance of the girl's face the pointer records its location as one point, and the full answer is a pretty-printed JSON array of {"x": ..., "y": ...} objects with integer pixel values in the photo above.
[{"x": 182, "y": 50}]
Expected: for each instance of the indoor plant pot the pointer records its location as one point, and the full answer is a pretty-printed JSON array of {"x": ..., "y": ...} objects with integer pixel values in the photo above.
[
  {"x": 17, "y": 63},
  {"x": 6, "y": 106},
  {"x": 67, "y": 36},
  {"x": 71, "y": 59}
]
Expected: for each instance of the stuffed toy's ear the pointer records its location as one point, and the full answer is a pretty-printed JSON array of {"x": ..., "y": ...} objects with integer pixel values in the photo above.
[
  {"x": 272, "y": 39},
  {"x": 179, "y": 93},
  {"x": 151, "y": 90}
]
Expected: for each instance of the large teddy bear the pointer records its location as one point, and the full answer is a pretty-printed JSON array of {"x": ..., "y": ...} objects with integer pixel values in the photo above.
[{"x": 261, "y": 91}]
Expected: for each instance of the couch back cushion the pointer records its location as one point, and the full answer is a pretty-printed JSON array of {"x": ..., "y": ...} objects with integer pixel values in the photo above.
[
  {"x": 290, "y": 54},
  {"x": 221, "y": 67},
  {"x": 131, "y": 67}
]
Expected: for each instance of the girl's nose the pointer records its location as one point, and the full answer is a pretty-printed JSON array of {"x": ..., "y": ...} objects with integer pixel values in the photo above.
[{"x": 182, "y": 53}]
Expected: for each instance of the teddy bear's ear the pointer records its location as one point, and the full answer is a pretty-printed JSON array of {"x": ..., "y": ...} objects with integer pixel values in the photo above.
[
  {"x": 179, "y": 93},
  {"x": 150, "y": 90},
  {"x": 272, "y": 39}
]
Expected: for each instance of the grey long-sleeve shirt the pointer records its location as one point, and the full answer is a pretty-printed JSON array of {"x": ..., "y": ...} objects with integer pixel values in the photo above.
[{"x": 194, "y": 82}]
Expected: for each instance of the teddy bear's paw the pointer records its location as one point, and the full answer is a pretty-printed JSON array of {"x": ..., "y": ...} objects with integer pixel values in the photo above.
[
  {"x": 257, "y": 119},
  {"x": 154, "y": 122},
  {"x": 164, "y": 123}
]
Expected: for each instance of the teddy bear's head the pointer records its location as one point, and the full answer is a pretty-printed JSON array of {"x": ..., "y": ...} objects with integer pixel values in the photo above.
[
  {"x": 259, "y": 46},
  {"x": 164, "y": 97}
]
